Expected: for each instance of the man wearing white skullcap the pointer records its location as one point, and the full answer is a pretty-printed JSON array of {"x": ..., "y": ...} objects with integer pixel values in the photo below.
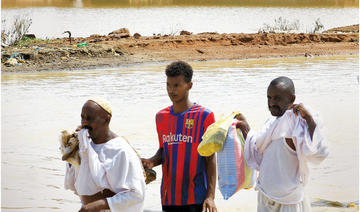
[
  {"x": 103, "y": 103},
  {"x": 110, "y": 174}
]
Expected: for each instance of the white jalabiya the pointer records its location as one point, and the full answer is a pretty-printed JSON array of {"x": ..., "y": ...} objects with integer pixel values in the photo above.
[
  {"x": 267, "y": 205},
  {"x": 283, "y": 172},
  {"x": 113, "y": 165}
]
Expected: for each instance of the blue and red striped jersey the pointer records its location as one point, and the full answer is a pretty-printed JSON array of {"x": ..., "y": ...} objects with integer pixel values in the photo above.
[{"x": 184, "y": 173}]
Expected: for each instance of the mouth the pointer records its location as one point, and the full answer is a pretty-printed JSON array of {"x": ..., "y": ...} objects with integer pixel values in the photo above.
[
  {"x": 88, "y": 128},
  {"x": 173, "y": 96},
  {"x": 274, "y": 109}
]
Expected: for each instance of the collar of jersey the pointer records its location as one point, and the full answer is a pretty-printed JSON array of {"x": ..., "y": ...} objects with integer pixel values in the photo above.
[{"x": 181, "y": 114}]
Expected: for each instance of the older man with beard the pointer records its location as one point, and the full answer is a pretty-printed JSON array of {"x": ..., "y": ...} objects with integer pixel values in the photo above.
[
  {"x": 110, "y": 174},
  {"x": 282, "y": 149}
]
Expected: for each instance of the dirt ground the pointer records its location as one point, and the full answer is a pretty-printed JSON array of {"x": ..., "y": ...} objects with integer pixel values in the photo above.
[{"x": 120, "y": 48}]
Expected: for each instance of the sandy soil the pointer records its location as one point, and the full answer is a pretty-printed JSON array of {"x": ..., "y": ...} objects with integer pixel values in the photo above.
[{"x": 119, "y": 48}]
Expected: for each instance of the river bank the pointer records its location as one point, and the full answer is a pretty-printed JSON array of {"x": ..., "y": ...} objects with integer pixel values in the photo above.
[{"x": 120, "y": 48}]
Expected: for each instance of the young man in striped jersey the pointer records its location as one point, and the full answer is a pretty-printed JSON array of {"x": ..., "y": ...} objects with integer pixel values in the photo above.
[{"x": 188, "y": 182}]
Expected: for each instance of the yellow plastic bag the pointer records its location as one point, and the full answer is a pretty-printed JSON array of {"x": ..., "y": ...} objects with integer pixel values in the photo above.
[{"x": 215, "y": 135}]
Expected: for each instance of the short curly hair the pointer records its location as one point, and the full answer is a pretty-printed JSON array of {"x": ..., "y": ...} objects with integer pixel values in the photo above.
[{"x": 178, "y": 68}]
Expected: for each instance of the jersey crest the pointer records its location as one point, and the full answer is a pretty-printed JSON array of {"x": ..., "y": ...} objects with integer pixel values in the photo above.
[{"x": 189, "y": 123}]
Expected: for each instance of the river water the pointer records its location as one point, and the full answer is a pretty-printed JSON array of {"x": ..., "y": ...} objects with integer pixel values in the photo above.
[
  {"x": 37, "y": 106},
  {"x": 51, "y": 22}
]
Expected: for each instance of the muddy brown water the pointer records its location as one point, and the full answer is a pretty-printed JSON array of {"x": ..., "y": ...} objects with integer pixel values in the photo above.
[
  {"x": 167, "y": 3},
  {"x": 52, "y": 21},
  {"x": 37, "y": 106}
]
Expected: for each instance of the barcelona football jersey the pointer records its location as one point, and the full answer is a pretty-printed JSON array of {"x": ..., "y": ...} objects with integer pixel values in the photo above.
[{"x": 184, "y": 171}]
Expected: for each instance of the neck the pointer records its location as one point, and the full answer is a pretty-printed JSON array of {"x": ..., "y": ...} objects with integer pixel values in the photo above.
[
  {"x": 179, "y": 107},
  {"x": 105, "y": 137}
]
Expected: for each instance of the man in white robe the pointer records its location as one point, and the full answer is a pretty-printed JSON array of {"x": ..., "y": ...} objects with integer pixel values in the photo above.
[
  {"x": 282, "y": 149},
  {"x": 110, "y": 175}
]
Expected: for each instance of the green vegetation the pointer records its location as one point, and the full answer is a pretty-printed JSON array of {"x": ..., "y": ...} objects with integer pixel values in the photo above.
[{"x": 25, "y": 41}]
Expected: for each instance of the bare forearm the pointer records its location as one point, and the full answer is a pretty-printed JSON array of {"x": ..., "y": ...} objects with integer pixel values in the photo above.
[
  {"x": 157, "y": 158},
  {"x": 311, "y": 125},
  {"x": 95, "y": 206},
  {"x": 211, "y": 175},
  {"x": 103, "y": 204}
]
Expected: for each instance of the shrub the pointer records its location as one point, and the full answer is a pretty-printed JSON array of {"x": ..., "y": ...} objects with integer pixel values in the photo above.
[
  {"x": 281, "y": 25},
  {"x": 15, "y": 32},
  {"x": 318, "y": 26}
]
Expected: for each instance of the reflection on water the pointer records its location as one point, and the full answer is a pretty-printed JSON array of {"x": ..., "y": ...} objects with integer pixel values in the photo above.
[
  {"x": 37, "y": 106},
  {"x": 182, "y": 3}
]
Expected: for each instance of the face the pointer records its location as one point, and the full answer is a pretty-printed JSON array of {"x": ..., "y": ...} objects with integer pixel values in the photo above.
[
  {"x": 93, "y": 118},
  {"x": 279, "y": 100},
  {"x": 177, "y": 88}
]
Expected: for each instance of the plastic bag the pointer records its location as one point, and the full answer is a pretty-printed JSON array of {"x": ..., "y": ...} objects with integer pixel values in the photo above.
[
  {"x": 215, "y": 135},
  {"x": 234, "y": 173}
]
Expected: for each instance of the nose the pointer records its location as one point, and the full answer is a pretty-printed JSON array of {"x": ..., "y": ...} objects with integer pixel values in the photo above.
[
  {"x": 170, "y": 89},
  {"x": 83, "y": 122},
  {"x": 271, "y": 103}
]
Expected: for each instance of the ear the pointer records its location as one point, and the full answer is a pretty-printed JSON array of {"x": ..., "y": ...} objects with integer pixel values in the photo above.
[
  {"x": 107, "y": 118},
  {"x": 190, "y": 84},
  {"x": 292, "y": 98}
]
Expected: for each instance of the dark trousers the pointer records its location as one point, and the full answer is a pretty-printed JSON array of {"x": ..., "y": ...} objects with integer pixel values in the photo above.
[{"x": 182, "y": 208}]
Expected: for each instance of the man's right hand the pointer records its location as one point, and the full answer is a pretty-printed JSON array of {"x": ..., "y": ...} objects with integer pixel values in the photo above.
[
  {"x": 148, "y": 163},
  {"x": 242, "y": 124},
  {"x": 78, "y": 128}
]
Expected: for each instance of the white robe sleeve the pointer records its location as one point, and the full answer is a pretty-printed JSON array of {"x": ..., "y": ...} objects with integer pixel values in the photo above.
[
  {"x": 88, "y": 181},
  {"x": 310, "y": 150},
  {"x": 252, "y": 156},
  {"x": 69, "y": 183},
  {"x": 126, "y": 179},
  {"x": 313, "y": 150},
  {"x": 97, "y": 169}
]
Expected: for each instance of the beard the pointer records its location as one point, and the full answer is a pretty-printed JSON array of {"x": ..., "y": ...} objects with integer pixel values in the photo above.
[{"x": 277, "y": 111}]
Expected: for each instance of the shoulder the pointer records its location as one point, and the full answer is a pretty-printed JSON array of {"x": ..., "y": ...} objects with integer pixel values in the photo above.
[
  {"x": 163, "y": 111},
  {"x": 118, "y": 144},
  {"x": 119, "y": 147},
  {"x": 203, "y": 110}
]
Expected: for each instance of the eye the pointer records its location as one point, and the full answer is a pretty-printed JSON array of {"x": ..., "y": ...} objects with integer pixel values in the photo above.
[{"x": 276, "y": 98}]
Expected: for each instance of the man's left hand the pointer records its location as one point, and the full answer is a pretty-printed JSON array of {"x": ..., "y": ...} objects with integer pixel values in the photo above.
[
  {"x": 94, "y": 206},
  {"x": 300, "y": 109},
  {"x": 209, "y": 205}
]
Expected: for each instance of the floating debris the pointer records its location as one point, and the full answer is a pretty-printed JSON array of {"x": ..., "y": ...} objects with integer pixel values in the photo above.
[
  {"x": 11, "y": 62},
  {"x": 82, "y": 44},
  {"x": 337, "y": 204}
]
